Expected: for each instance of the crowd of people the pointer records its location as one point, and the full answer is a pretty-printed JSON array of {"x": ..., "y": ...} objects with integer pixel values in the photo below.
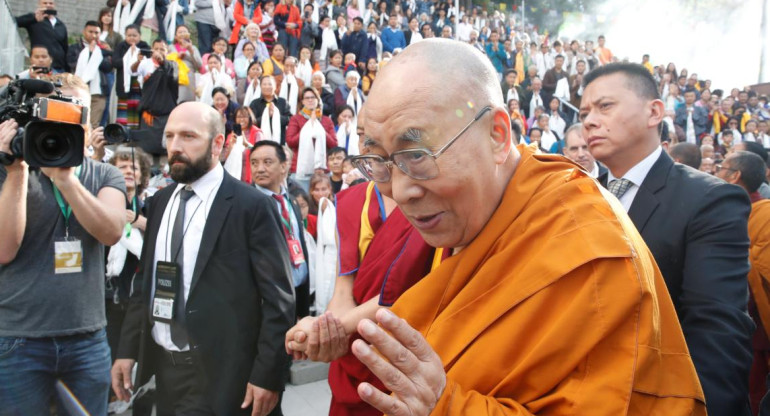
[{"x": 246, "y": 223}]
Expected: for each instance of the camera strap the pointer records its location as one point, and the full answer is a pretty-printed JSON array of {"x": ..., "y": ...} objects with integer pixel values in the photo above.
[{"x": 66, "y": 209}]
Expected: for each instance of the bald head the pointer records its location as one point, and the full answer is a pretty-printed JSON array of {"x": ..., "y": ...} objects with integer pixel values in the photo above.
[
  {"x": 194, "y": 135},
  {"x": 461, "y": 120},
  {"x": 448, "y": 63}
]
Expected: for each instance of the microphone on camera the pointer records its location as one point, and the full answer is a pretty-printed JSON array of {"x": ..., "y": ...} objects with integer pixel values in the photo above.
[{"x": 36, "y": 86}]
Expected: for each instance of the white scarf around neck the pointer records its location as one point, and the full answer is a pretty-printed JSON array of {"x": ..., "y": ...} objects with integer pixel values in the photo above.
[
  {"x": 116, "y": 260},
  {"x": 290, "y": 83},
  {"x": 328, "y": 42},
  {"x": 305, "y": 72},
  {"x": 129, "y": 58},
  {"x": 252, "y": 92},
  {"x": 348, "y": 140},
  {"x": 311, "y": 154},
  {"x": 271, "y": 126},
  {"x": 325, "y": 254},
  {"x": 169, "y": 21},
  {"x": 88, "y": 68},
  {"x": 354, "y": 101}
]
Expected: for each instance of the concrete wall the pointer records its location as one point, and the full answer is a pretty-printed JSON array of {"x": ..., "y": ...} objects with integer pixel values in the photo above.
[{"x": 73, "y": 13}]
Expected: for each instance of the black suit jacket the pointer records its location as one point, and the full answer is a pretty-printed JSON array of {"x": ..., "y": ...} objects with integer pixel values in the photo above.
[
  {"x": 53, "y": 37},
  {"x": 258, "y": 107},
  {"x": 241, "y": 300},
  {"x": 696, "y": 227}
]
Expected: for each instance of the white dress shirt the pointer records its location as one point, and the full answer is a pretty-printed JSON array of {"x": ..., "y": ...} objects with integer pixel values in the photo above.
[
  {"x": 196, "y": 213},
  {"x": 636, "y": 175},
  {"x": 594, "y": 173}
]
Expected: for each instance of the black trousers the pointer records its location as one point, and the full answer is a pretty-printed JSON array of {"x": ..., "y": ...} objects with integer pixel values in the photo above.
[{"x": 181, "y": 387}]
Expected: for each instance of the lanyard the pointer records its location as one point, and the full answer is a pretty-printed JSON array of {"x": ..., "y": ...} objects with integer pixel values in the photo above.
[
  {"x": 289, "y": 210},
  {"x": 66, "y": 209},
  {"x": 136, "y": 213}
]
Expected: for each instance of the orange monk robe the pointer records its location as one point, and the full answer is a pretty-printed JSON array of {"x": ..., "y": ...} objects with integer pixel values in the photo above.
[
  {"x": 759, "y": 257},
  {"x": 556, "y": 308}
]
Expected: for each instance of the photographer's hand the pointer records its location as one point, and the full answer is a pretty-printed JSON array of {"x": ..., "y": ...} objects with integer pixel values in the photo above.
[
  {"x": 98, "y": 142},
  {"x": 13, "y": 198},
  {"x": 39, "y": 15}
]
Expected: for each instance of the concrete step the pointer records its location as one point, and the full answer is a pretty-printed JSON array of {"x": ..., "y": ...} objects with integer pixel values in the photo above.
[{"x": 304, "y": 372}]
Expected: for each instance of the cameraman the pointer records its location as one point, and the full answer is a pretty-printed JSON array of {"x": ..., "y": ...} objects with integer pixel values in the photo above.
[{"x": 54, "y": 223}]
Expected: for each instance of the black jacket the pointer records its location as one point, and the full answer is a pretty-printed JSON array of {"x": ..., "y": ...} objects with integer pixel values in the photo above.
[
  {"x": 258, "y": 107},
  {"x": 73, "y": 53},
  {"x": 355, "y": 42},
  {"x": 117, "y": 63},
  {"x": 161, "y": 90},
  {"x": 241, "y": 299},
  {"x": 53, "y": 37},
  {"x": 696, "y": 228}
]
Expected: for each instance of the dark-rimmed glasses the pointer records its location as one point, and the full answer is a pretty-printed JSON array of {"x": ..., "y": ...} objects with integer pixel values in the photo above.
[
  {"x": 419, "y": 164},
  {"x": 719, "y": 167}
]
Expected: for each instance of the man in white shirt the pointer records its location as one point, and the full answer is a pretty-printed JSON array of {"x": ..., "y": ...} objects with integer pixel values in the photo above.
[
  {"x": 576, "y": 149},
  {"x": 695, "y": 225},
  {"x": 464, "y": 30},
  {"x": 215, "y": 267}
]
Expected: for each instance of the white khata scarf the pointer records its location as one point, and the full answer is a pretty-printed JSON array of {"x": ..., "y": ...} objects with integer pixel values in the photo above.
[
  {"x": 311, "y": 154},
  {"x": 290, "y": 92},
  {"x": 129, "y": 242},
  {"x": 127, "y": 15},
  {"x": 169, "y": 21},
  {"x": 88, "y": 68},
  {"x": 128, "y": 59},
  {"x": 325, "y": 255},
  {"x": 271, "y": 127},
  {"x": 328, "y": 42},
  {"x": 252, "y": 92},
  {"x": 354, "y": 101},
  {"x": 305, "y": 72}
]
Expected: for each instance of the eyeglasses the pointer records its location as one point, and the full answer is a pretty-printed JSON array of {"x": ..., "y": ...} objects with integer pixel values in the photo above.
[
  {"x": 419, "y": 164},
  {"x": 718, "y": 168}
]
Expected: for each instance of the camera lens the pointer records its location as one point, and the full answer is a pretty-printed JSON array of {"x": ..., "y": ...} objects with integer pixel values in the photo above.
[{"x": 52, "y": 147}]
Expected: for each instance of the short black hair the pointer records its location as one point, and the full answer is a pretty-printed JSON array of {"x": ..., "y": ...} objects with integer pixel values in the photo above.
[
  {"x": 215, "y": 90},
  {"x": 757, "y": 149},
  {"x": 335, "y": 150},
  {"x": 92, "y": 23},
  {"x": 136, "y": 27},
  {"x": 359, "y": 19},
  {"x": 39, "y": 46},
  {"x": 556, "y": 43},
  {"x": 687, "y": 153},
  {"x": 535, "y": 129},
  {"x": 157, "y": 41},
  {"x": 638, "y": 78},
  {"x": 752, "y": 169},
  {"x": 278, "y": 149},
  {"x": 218, "y": 39},
  {"x": 516, "y": 132}
]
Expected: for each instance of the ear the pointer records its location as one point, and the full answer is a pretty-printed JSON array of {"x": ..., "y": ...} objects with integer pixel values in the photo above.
[
  {"x": 217, "y": 144},
  {"x": 501, "y": 135},
  {"x": 657, "y": 112},
  {"x": 735, "y": 178}
]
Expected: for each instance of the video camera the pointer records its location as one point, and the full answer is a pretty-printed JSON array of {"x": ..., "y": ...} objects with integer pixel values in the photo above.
[{"x": 52, "y": 134}]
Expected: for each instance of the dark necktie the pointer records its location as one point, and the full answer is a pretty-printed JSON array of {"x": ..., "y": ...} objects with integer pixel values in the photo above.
[
  {"x": 284, "y": 214},
  {"x": 178, "y": 331},
  {"x": 618, "y": 187}
]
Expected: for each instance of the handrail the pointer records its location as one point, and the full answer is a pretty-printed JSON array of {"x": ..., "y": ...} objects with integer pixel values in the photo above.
[{"x": 12, "y": 50}]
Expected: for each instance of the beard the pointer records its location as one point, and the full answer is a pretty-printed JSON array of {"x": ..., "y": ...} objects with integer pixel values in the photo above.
[{"x": 191, "y": 170}]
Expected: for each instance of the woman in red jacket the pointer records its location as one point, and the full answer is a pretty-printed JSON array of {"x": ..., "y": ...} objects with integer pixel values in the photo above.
[
  {"x": 309, "y": 135},
  {"x": 245, "y": 11}
]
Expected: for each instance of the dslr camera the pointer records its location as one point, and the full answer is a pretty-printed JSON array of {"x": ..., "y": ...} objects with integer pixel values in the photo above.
[{"x": 52, "y": 134}]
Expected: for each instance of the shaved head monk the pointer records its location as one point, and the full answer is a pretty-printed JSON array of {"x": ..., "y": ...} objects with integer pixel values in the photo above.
[{"x": 550, "y": 303}]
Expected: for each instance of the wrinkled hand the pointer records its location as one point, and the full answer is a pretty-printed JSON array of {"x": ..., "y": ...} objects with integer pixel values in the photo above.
[
  {"x": 328, "y": 340},
  {"x": 408, "y": 367},
  {"x": 296, "y": 338},
  {"x": 262, "y": 401},
  {"x": 121, "y": 378}
]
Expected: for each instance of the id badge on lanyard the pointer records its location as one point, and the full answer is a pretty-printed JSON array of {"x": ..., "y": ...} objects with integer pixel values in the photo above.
[
  {"x": 167, "y": 280},
  {"x": 68, "y": 251}
]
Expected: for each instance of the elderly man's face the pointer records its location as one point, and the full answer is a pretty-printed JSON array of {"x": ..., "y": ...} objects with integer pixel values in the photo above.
[
  {"x": 446, "y": 210},
  {"x": 576, "y": 149}
]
